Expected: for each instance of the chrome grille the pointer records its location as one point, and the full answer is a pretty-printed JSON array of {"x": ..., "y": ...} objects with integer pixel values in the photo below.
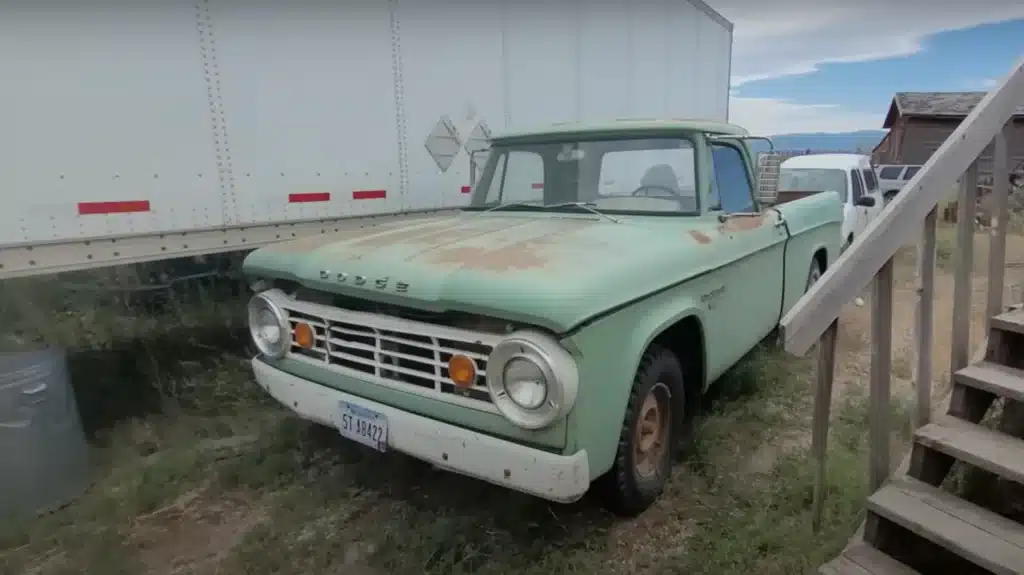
[{"x": 401, "y": 353}]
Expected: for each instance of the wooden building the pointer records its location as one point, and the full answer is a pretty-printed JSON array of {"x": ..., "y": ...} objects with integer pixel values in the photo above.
[{"x": 918, "y": 123}]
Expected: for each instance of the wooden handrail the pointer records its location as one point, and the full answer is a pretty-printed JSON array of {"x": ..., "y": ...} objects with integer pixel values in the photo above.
[
  {"x": 882, "y": 303},
  {"x": 804, "y": 324}
]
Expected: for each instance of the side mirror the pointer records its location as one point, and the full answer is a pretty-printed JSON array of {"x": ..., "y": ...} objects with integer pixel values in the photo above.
[
  {"x": 477, "y": 158},
  {"x": 866, "y": 201}
]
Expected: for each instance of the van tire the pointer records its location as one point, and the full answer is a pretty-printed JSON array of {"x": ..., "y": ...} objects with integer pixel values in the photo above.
[{"x": 626, "y": 491}]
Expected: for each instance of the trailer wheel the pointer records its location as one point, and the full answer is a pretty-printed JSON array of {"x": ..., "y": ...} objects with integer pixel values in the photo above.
[{"x": 649, "y": 435}]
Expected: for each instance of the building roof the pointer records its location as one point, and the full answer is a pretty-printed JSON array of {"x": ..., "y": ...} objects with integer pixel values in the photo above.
[
  {"x": 642, "y": 127},
  {"x": 935, "y": 105}
]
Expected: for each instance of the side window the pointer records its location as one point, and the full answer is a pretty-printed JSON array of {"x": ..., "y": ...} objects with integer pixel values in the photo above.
[
  {"x": 520, "y": 178},
  {"x": 870, "y": 180},
  {"x": 911, "y": 171},
  {"x": 858, "y": 187},
  {"x": 890, "y": 172},
  {"x": 731, "y": 190}
]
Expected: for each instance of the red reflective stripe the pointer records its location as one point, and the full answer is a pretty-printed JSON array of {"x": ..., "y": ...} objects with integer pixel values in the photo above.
[
  {"x": 309, "y": 197},
  {"x": 537, "y": 186},
  {"x": 128, "y": 207},
  {"x": 467, "y": 189},
  {"x": 369, "y": 194}
]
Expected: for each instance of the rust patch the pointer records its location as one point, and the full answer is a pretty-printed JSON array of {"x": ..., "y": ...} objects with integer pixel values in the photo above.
[
  {"x": 791, "y": 195},
  {"x": 441, "y": 231},
  {"x": 700, "y": 237},
  {"x": 742, "y": 223},
  {"x": 521, "y": 255}
]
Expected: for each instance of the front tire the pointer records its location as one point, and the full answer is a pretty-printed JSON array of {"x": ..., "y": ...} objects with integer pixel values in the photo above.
[{"x": 649, "y": 435}]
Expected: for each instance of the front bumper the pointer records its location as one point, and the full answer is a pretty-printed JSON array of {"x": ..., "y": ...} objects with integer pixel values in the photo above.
[{"x": 559, "y": 478}]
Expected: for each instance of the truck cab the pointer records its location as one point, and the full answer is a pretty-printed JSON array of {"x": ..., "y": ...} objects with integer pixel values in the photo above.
[
  {"x": 559, "y": 331},
  {"x": 850, "y": 175}
]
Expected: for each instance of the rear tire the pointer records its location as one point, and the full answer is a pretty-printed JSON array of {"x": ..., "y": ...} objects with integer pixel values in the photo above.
[
  {"x": 649, "y": 436},
  {"x": 813, "y": 274}
]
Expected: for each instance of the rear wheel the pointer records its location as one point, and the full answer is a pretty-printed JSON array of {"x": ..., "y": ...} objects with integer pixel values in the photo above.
[
  {"x": 649, "y": 435},
  {"x": 814, "y": 274}
]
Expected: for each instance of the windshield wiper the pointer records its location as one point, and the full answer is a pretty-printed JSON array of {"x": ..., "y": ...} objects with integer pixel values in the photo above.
[{"x": 588, "y": 206}]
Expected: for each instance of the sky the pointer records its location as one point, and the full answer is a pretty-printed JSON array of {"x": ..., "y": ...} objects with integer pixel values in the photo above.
[{"x": 833, "y": 65}]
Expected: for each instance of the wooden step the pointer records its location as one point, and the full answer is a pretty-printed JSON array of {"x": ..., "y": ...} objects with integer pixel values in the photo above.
[
  {"x": 982, "y": 537},
  {"x": 1011, "y": 321},
  {"x": 1000, "y": 380},
  {"x": 979, "y": 446},
  {"x": 863, "y": 559}
]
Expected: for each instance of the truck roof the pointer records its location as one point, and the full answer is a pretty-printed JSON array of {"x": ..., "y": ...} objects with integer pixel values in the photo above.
[{"x": 642, "y": 127}]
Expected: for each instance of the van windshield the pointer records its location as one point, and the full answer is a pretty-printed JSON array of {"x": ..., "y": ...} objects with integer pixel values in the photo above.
[
  {"x": 813, "y": 180},
  {"x": 624, "y": 176}
]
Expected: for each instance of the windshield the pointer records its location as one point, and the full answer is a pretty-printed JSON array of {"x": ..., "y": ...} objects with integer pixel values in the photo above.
[
  {"x": 639, "y": 175},
  {"x": 813, "y": 180}
]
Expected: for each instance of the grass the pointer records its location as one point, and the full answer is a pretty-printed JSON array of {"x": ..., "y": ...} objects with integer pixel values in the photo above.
[{"x": 196, "y": 471}]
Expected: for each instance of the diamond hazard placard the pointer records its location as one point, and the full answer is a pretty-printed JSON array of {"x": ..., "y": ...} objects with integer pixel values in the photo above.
[{"x": 443, "y": 143}]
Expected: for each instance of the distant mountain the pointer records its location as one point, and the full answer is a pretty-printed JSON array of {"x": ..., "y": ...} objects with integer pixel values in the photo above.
[{"x": 862, "y": 141}]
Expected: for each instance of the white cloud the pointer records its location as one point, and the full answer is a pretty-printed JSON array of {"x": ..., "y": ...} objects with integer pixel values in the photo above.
[
  {"x": 766, "y": 116},
  {"x": 791, "y": 37}
]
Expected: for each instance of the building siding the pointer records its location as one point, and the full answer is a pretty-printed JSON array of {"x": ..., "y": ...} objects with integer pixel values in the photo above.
[{"x": 921, "y": 137}]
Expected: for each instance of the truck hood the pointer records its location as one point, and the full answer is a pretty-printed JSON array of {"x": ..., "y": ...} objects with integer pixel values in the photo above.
[{"x": 553, "y": 270}]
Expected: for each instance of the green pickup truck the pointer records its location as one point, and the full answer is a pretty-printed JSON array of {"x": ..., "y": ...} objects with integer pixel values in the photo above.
[{"x": 558, "y": 331}]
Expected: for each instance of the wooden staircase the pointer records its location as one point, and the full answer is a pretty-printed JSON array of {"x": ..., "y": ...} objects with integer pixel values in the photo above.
[{"x": 916, "y": 526}]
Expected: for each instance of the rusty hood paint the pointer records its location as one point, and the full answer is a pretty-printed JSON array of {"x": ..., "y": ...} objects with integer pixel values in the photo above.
[{"x": 547, "y": 269}]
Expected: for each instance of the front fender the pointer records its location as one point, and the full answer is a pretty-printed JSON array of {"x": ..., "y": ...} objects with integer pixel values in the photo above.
[{"x": 609, "y": 352}]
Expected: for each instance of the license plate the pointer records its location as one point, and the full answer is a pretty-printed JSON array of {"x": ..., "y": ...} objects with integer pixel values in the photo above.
[{"x": 363, "y": 425}]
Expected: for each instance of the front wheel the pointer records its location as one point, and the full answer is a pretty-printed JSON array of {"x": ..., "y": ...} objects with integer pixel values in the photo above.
[{"x": 649, "y": 435}]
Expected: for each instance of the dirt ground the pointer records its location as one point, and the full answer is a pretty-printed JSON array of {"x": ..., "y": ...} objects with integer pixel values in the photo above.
[{"x": 236, "y": 486}]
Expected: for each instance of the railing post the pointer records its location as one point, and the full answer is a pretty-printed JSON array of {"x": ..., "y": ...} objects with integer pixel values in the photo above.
[
  {"x": 1000, "y": 221},
  {"x": 822, "y": 404},
  {"x": 967, "y": 209},
  {"x": 881, "y": 375},
  {"x": 925, "y": 314}
]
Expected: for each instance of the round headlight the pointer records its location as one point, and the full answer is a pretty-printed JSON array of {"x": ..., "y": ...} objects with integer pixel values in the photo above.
[
  {"x": 268, "y": 327},
  {"x": 532, "y": 379},
  {"x": 525, "y": 383}
]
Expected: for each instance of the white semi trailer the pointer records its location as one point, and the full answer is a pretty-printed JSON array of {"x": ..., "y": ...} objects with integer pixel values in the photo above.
[{"x": 140, "y": 131}]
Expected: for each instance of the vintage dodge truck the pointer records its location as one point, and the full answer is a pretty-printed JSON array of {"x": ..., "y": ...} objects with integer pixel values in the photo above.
[{"x": 559, "y": 330}]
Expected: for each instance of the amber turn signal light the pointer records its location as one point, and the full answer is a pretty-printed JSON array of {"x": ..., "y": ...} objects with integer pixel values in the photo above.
[
  {"x": 462, "y": 371},
  {"x": 303, "y": 336}
]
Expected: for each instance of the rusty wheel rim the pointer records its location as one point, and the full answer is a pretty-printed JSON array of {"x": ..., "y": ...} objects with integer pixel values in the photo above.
[{"x": 650, "y": 439}]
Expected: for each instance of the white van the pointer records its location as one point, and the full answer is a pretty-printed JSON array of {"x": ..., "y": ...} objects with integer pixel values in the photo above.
[{"x": 849, "y": 174}]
